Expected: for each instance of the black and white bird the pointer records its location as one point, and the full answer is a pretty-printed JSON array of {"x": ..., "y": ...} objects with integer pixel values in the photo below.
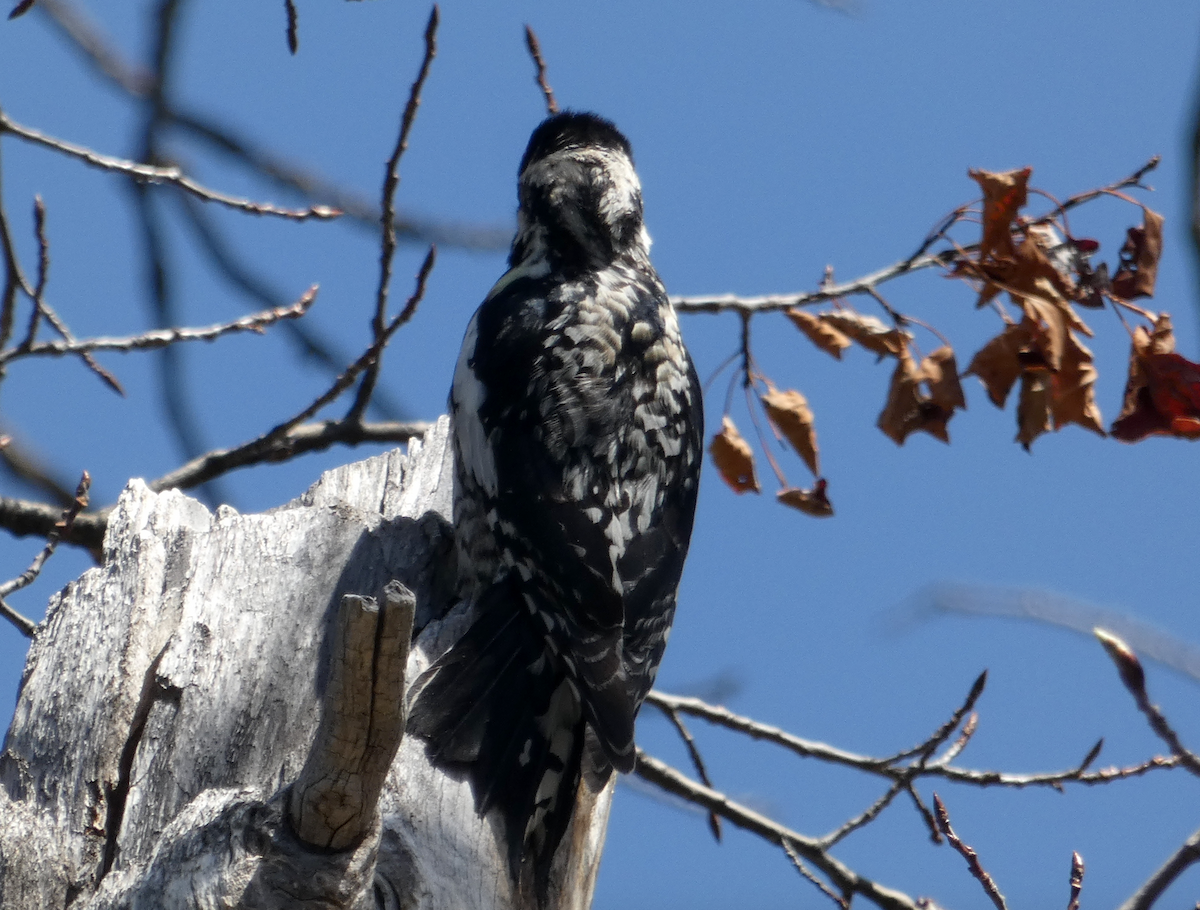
[{"x": 577, "y": 426}]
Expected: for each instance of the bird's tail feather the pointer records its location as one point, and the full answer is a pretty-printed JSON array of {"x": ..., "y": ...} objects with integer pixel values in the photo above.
[{"x": 498, "y": 707}]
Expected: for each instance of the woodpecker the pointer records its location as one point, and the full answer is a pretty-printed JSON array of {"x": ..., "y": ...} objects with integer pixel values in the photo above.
[{"x": 577, "y": 430}]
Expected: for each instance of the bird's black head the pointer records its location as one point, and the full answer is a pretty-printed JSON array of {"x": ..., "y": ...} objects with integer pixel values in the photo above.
[
  {"x": 573, "y": 130},
  {"x": 580, "y": 198}
]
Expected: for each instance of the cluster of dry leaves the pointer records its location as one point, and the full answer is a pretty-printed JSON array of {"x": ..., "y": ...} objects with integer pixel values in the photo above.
[{"x": 1047, "y": 276}]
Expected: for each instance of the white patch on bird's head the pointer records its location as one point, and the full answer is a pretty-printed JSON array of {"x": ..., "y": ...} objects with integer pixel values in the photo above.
[{"x": 581, "y": 202}]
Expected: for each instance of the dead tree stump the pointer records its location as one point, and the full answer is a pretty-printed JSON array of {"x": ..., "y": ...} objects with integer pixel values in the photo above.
[{"x": 214, "y": 717}]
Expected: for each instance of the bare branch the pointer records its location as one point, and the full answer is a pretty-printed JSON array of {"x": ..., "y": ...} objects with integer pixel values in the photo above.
[
  {"x": 867, "y": 283},
  {"x": 1152, "y": 889},
  {"x": 714, "y": 822},
  {"x": 23, "y": 518},
  {"x": 535, "y": 51},
  {"x": 293, "y": 27},
  {"x": 891, "y": 767},
  {"x": 39, "y": 289},
  {"x": 391, "y": 181},
  {"x": 86, "y": 36},
  {"x": 24, "y": 624},
  {"x": 850, "y": 882},
  {"x": 811, "y": 876},
  {"x": 1134, "y": 679},
  {"x": 26, "y": 578},
  {"x": 1076, "y": 881},
  {"x": 943, "y": 732},
  {"x": 967, "y": 853},
  {"x": 362, "y": 211},
  {"x": 865, "y": 818},
  {"x": 61, "y": 527},
  {"x": 21, "y": 8},
  {"x": 161, "y": 338},
  {"x": 298, "y": 440},
  {"x": 148, "y": 173},
  {"x": 29, "y": 469}
]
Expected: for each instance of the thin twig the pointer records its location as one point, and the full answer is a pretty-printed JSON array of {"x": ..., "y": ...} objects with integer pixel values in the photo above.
[
  {"x": 62, "y": 527},
  {"x": 30, "y": 469},
  {"x": 21, "y": 8},
  {"x": 535, "y": 51},
  {"x": 960, "y": 743},
  {"x": 86, "y": 36},
  {"x": 1134, "y": 678},
  {"x": 39, "y": 289},
  {"x": 23, "y": 518},
  {"x": 24, "y": 624},
  {"x": 391, "y": 181},
  {"x": 866, "y": 817},
  {"x": 850, "y": 882},
  {"x": 160, "y": 338},
  {"x": 1076, "y": 881},
  {"x": 15, "y": 280},
  {"x": 943, "y": 732},
  {"x": 226, "y": 259},
  {"x": 298, "y": 440},
  {"x": 1145, "y": 896},
  {"x": 926, "y": 814},
  {"x": 812, "y": 877},
  {"x": 363, "y": 212},
  {"x": 151, "y": 174},
  {"x": 714, "y": 822},
  {"x": 890, "y": 767},
  {"x": 867, "y": 283},
  {"x": 293, "y": 26},
  {"x": 966, "y": 852}
]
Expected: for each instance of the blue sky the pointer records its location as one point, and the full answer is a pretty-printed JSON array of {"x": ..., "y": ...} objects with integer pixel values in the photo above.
[{"x": 773, "y": 139}]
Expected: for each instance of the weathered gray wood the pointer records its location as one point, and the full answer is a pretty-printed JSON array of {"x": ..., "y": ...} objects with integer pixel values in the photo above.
[{"x": 173, "y": 698}]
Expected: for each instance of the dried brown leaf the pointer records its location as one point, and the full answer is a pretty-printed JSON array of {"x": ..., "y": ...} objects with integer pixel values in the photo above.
[
  {"x": 1160, "y": 339},
  {"x": 1162, "y": 394},
  {"x": 1004, "y": 194},
  {"x": 1051, "y": 335},
  {"x": 1033, "y": 260},
  {"x": 868, "y": 331},
  {"x": 791, "y": 415},
  {"x": 821, "y": 333},
  {"x": 810, "y": 502},
  {"x": 1138, "y": 270},
  {"x": 909, "y": 409},
  {"x": 1033, "y": 407},
  {"x": 998, "y": 363},
  {"x": 734, "y": 458},
  {"x": 1072, "y": 389},
  {"x": 941, "y": 377}
]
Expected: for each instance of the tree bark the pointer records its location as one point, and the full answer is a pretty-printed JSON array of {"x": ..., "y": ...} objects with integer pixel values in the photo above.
[{"x": 214, "y": 717}]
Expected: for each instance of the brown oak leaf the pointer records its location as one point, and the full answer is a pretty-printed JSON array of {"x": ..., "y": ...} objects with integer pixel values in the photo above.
[
  {"x": 821, "y": 333},
  {"x": 1138, "y": 270},
  {"x": 791, "y": 415},
  {"x": 909, "y": 409},
  {"x": 811, "y": 502},
  {"x": 1004, "y": 194},
  {"x": 999, "y": 363},
  {"x": 1033, "y": 407},
  {"x": 734, "y": 458},
  {"x": 940, "y": 370},
  {"x": 1162, "y": 393},
  {"x": 868, "y": 331},
  {"x": 1072, "y": 389}
]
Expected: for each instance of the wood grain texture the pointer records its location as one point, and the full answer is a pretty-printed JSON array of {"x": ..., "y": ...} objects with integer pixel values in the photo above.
[{"x": 183, "y": 698}]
